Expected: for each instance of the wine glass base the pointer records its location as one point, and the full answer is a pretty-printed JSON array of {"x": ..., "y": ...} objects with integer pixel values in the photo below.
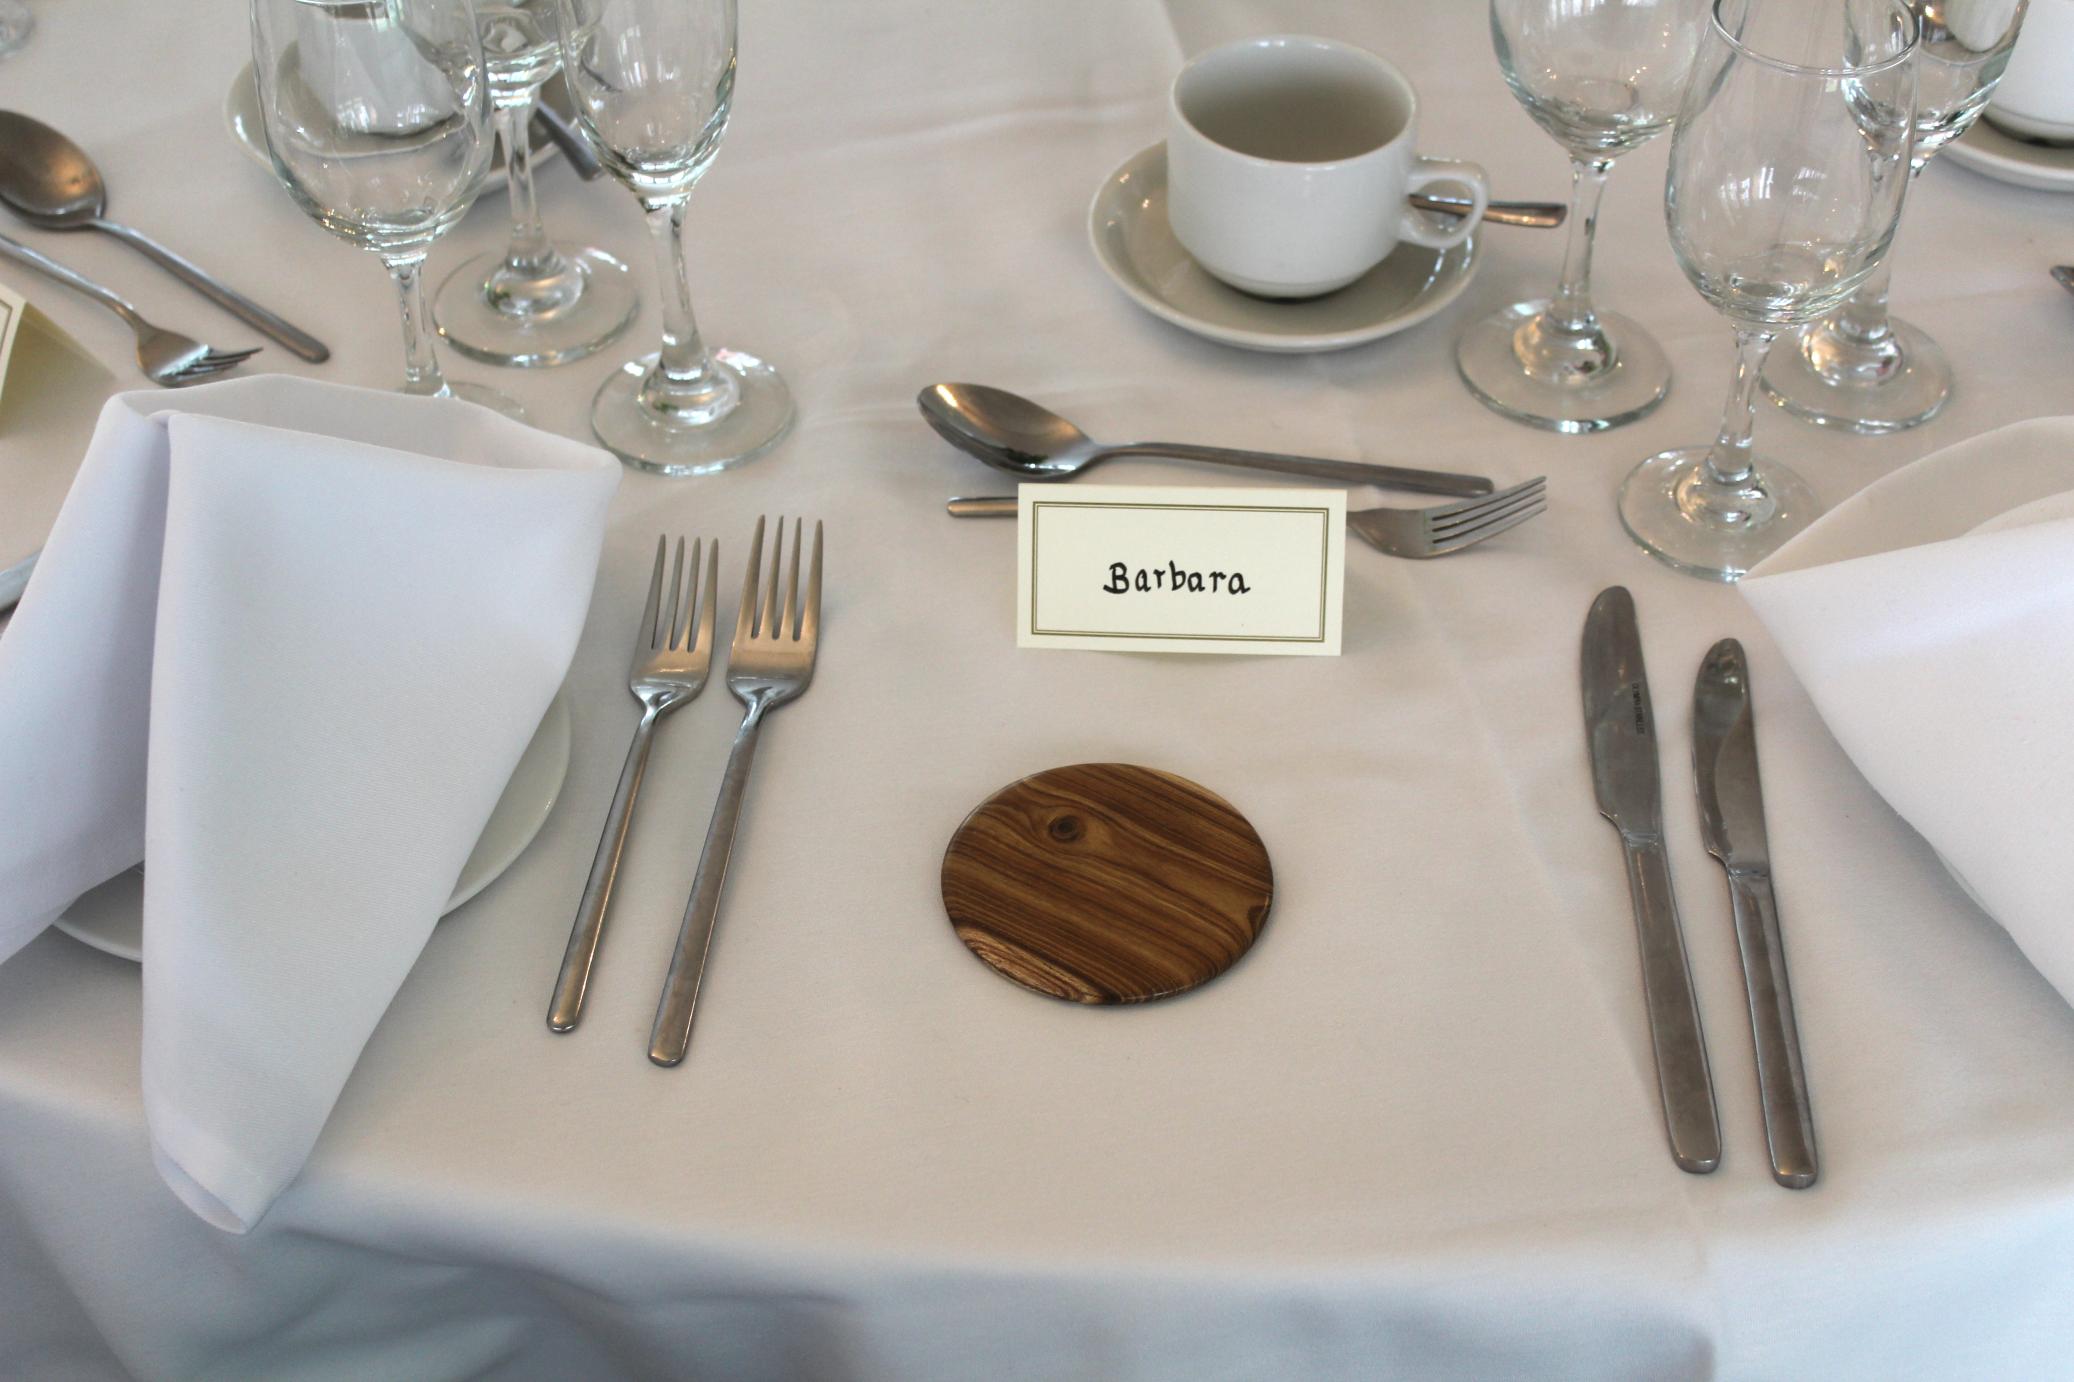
[
  {"x": 646, "y": 440},
  {"x": 1631, "y": 387},
  {"x": 1709, "y": 531},
  {"x": 528, "y": 325},
  {"x": 1904, "y": 388},
  {"x": 484, "y": 395}
]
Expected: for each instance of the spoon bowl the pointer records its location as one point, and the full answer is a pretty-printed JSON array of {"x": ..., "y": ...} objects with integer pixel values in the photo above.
[{"x": 1028, "y": 440}]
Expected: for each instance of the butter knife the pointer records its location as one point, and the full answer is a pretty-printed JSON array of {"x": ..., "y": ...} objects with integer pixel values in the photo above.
[
  {"x": 1724, "y": 763},
  {"x": 1621, "y": 733}
]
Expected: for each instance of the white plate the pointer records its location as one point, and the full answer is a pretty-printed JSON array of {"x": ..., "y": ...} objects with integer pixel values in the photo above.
[
  {"x": 111, "y": 917},
  {"x": 2002, "y": 156},
  {"x": 1136, "y": 247},
  {"x": 241, "y": 113}
]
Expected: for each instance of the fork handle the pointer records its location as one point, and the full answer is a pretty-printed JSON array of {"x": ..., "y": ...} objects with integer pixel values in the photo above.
[
  {"x": 671, "y": 1037},
  {"x": 1317, "y": 468},
  {"x": 985, "y": 506},
  {"x": 232, "y": 301},
  {"x": 51, "y": 268},
  {"x": 574, "y": 980}
]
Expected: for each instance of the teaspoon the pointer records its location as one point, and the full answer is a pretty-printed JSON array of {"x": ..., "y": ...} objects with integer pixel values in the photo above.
[
  {"x": 1011, "y": 433},
  {"x": 48, "y": 181}
]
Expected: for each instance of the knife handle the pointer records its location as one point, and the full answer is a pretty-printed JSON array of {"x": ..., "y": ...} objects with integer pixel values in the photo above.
[
  {"x": 1782, "y": 1082},
  {"x": 1682, "y": 1076}
]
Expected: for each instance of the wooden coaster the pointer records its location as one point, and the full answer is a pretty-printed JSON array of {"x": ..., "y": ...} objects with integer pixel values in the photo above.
[{"x": 1107, "y": 883}]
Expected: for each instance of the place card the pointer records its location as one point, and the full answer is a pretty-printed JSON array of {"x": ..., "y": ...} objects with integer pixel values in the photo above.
[{"x": 1160, "y": 569}]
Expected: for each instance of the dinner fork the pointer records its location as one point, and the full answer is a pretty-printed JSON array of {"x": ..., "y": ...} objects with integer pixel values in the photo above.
[
  {"x": 1429, "y": 532},
  {"x": 671, "y": 658},
  {"x": 770, "y": 662},
  {"x": 166, "y": 357}
]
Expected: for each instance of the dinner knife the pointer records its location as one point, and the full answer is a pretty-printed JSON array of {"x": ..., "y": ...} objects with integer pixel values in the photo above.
[
  {"x": 1724, "y": 764},
  {"x": 1621, "y": 733}
]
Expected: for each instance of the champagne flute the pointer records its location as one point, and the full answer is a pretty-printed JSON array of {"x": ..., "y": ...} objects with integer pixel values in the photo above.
[
  {"x": 654, "y": 84},
  {"x": 534, "y": 303},
  {"x": 1788, "y": 167},
  {"x": 1860, "y": 369},
  {"x": 376, "y": 115},
  {"x": 1603, "y": 77}
]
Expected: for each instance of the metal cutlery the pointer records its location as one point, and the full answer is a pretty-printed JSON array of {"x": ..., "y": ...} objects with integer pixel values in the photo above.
[
  {"x": 1724, "y": 761},
  {"x": 14, "y": 580},
  {"x": 569, "y": 140},
  {"x": 1439, "y": 531},
  {"x": 1011, "y": 433},
  {"x": 1620, "y": 732},
  {"x": 166, "y": 357},
  {"x": 671, "y": 657},
  {"x": 2063, "y": 274},
  {"x": 770, "y": 662},
  {"x": 50, "y": 182},
  {"x": 1534, "y": 215}
]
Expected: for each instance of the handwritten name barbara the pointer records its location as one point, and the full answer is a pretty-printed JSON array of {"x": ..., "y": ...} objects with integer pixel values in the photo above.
[{"x": 1173, "y": 577}]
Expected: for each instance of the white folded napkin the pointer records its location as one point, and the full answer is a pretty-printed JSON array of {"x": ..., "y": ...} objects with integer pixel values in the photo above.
[
  {"x": 1931, "y": 618},
  {"x": 286, "y": 643}
]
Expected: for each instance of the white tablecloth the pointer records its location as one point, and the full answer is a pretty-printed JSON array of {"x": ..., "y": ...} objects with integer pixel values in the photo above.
[{"x": 1414, "y": 1133}]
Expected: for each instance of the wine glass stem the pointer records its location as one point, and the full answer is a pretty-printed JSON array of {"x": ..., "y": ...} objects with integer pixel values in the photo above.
[
  {"x": 1862, "y": 320},
  {"x": 420, "y": 365},
  {"x": 1570, "y": 310},
  {"x": 529, "y": 253},
  {"x": 684, "y": 379},
  {"x": 1728, "y": 459}
]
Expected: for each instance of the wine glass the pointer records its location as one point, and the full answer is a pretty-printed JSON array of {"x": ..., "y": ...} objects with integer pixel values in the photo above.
[
  {"x": 1860, "y": 369},
  {"x": 534, "y": 303},
  {"x": 1602, "y": 77},
  {"x": 654, "y": 82},
  {"x": 1788, "y": 166},
  {"x": 16, "y": 22},
  {"x": 376, "y": 115}
]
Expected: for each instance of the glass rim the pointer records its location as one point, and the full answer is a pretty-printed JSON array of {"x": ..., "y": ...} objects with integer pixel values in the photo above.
[{"x": 1907, "y": 50}]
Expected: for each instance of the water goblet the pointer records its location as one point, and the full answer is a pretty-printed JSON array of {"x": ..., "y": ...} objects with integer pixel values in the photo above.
[
  {"x": 1603, "y": 77},
  {"x": 654, "y": 84},
  {"x": 1788, "y": 165},
  {"x": 1861, "y": 369},
  {"x": 533, "y": 303},
  {"x": 376, "y": 115}
]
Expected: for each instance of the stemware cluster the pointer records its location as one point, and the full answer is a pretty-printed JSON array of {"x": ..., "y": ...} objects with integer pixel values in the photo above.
[
  {"x": 1797, "y": 125},
  {"x": 380, "y": 120}
]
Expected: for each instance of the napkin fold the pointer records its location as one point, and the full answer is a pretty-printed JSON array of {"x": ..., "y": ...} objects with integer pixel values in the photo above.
[
  {"x": 286, "y": 643},
  {"x": 1931, "y": 618}
]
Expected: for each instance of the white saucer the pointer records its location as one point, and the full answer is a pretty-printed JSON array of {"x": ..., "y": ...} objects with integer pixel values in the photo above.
[
  {"x": 111, "y": 917},
  {"x": 241, "y": 114},
  {"x": 2005, "y": 158},
  {"x": 1127, "y": 224}
]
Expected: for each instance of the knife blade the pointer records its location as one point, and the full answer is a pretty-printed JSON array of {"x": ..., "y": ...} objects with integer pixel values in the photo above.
[
  {"x": 1620, "y": 732},
  {"x": 1724, "y": 765}
]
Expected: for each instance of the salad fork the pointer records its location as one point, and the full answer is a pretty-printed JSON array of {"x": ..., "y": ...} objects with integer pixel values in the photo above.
[
  {"x": 770, "y": 662},
  {"x": 1437, "y": 531},
  {"x": 166, "y": 357},
  {"x": 671, "y": 658}
]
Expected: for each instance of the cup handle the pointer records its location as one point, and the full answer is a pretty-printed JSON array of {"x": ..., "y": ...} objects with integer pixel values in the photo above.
[{"x": 1418, "y": 228}]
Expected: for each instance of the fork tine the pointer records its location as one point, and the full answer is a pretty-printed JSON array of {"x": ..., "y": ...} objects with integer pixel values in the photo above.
[
  {"x": 197, "y": 370},
  {"x": 791, "y": 623},
  {"x": 1485, "y": 509},
  {"x": 709, "y": 592},
  {"x": 1454, "y": 542},
  {"x": 666, "y": 632},
  {"x": 227, "y": 358},
  {"x": 1483, "y": 501},
  {"x": 810, "y": 613},
  {"x": 655, "y": 590},
  {"x": 769, "y": 627},
  {"x": 745, "y": 615}
]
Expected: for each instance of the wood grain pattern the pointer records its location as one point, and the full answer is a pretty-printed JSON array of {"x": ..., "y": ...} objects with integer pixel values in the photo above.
[{"x": 1107, "y": 883}]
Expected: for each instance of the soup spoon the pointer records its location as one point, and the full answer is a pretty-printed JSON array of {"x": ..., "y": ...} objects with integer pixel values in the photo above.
[{"x": 1011, "y": 433}]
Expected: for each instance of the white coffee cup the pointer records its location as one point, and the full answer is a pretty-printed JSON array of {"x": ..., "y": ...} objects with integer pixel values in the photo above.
[
  {"x": 1289, "y": 160},
  {"x": 2036, "y": 96}
]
